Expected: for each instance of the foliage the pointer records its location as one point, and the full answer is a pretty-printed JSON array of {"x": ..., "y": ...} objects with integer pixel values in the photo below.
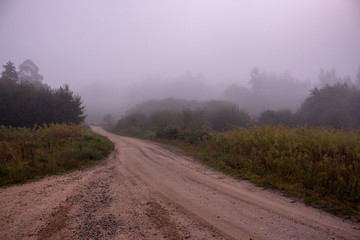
[
  {"x": 133, "y": 125},
  {"x": 161, "y": 119},
  {"x": 333, "y": 106},
  {"x": 319, "y": 164},
  {"x": 283, "y": 116},
  {"x": 177, "y": 105},
  {"x": 224, "y": 118},
  {"x": 268, "y": 91},
  {"x": 27, "y": 153},
  {"x": 188, "y": 125},
  {"x": 357, "y": 79},
  {"x": 108, "y": 119},
  {"x": 29, "y": 72},
  {"x": 169, "y": 132},
  {"x": 9, "y": 74},
  {"x": 23, "y": 103},
  {"x": 331, "y": 78},
  {"x": 273, "y": 92},
  {"x": 336, "y": 106}
]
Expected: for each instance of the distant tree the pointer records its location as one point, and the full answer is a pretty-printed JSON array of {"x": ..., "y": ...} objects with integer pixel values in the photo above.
[
  {"x": 347, "y": 80},
  {"x": 187, "y": 119},
  {"x": 333, "y": 106},
  {"x": 29, "y": 72},
  {"x": 268, "y": 91},
  {"x": 108, "y": 118},
  {"x": 357, "y": 79},
  {"x": 329, "y": 78},
  {"x": 238, "y": 94},
  {"x": 9, "y": 74},
  {"x": 283, "y": 116},
  {"x": 224, "y": 118},
  {"x": 256, "y": 80},
  {"x": 25, "y": 104},
  {"x": 133, "y": 124},
  {"x": 162, "y": 119}
]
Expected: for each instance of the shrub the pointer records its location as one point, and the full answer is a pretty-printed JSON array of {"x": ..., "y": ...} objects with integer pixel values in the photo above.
[
  {"x": 224, "y": 118},
  {"x": 283, "y": 116},
  {"x": 170, "y": 132}
]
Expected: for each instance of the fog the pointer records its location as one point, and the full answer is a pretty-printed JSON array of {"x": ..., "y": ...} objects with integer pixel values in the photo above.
[{"x": 117, "y": 53}]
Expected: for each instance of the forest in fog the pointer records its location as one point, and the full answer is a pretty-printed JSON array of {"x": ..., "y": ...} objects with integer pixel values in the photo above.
[
  {"x": 333, "y": 101},
  {"x": 258, "y": 55},
  {"x": 25, "y": 101},
  {"x": 264, "y": 90}
]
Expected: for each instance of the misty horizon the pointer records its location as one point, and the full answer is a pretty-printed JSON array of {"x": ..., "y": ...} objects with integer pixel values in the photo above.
[{"x": 117, "y": 53}]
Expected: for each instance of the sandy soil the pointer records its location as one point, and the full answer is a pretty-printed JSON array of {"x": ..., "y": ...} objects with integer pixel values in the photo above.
[{"x": 143, "y": 191}]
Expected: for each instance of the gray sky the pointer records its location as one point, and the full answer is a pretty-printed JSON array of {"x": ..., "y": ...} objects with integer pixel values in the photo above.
[{"x": 111, "y": 46}]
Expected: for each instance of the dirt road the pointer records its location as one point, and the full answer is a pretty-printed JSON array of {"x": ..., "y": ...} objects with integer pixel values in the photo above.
[{"x": 146, "y": 192}]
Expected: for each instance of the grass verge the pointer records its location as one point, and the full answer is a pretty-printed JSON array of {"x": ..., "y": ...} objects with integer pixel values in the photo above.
[{"x": 27, "y": 153}]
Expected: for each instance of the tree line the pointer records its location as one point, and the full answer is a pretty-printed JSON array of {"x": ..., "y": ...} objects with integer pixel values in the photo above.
[
  {"x": 271, "y": 92},
  {"x": 268, "y": 91},
  {"x": 336, "y": 106},
  {"x": 25, "y": 101},
  {"x": 191, "y": 123},
  {"x": 334, "y": 103},
  {"x": 281, "y": 99}
]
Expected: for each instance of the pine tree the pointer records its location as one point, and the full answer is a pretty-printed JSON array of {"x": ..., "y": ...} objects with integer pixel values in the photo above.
[
  {"x": 9, "y": 74},
  {"x": 29, "y": 72}
]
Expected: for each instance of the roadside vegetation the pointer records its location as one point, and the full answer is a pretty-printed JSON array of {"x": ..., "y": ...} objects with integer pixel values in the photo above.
[
  {"x": 319, "y": 165},
  {"x": 29, "y": 153},
  {"x": 313, "y": 154},
  {"x": 41, "y": 131}
]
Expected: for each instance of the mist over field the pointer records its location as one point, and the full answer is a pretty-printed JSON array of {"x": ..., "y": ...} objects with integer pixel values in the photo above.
[
  {"x": 116, "y": 54},
  {"x": 266, "y": 91}
]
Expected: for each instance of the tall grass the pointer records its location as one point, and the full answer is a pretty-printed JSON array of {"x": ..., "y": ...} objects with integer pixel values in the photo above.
[
  {"x": 27, "y": 153},
  {"x": 322, "y": 165}
]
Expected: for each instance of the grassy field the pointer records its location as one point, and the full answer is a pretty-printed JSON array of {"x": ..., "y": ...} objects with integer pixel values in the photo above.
[{"x": 27, "y": 154}]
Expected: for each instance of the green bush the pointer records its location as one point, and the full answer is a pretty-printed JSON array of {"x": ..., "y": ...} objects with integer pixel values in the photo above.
[
  {"x": 225, "y": 118},
  {"x": 170, "y": 132},
  {"x": 195, "y": 135},
  {"x": 283, "y": 116}
]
